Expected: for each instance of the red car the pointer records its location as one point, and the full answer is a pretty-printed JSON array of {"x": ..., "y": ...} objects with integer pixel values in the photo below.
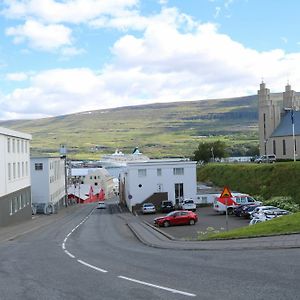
[{"x": 178, "y": 217}]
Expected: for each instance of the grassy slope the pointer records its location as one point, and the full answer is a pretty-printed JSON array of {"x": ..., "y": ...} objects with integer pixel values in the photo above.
[
  {"x": 282, "y": 225},
  {"x": 266, "y": 180},
  {"x": 170, "y": 129}
]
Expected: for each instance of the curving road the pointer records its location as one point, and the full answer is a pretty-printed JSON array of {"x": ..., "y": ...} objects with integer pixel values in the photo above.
[{"x": 92, "y": 254}]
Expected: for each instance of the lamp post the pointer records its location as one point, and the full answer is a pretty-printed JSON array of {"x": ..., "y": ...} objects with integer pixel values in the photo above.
[{"x": 63, "y": 155}]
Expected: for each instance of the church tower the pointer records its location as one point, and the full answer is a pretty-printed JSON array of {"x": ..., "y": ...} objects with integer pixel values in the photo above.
[{"x": 269, "y": 114}]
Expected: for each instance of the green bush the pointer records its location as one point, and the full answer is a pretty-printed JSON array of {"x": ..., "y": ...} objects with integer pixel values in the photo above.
[{"x": 286, "y": 203}]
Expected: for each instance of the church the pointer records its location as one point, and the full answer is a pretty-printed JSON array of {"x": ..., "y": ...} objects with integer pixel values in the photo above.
[{"x": 279, "y": 123}]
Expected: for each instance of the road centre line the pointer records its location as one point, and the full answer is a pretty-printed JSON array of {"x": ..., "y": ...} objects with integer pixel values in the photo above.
[
  {"x": 91, "y": 266},
  {"x": 158, "y": 286}
]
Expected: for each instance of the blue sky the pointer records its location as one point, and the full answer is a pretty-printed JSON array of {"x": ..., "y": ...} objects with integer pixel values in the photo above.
[{"x": 67, "y": 56}]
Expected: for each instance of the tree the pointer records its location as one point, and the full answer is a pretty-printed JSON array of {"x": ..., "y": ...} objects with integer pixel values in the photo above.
[{"x": 210, "y": 151}]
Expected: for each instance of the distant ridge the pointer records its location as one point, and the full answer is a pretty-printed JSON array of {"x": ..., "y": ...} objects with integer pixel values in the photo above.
[{"x": 159, "y": 129}]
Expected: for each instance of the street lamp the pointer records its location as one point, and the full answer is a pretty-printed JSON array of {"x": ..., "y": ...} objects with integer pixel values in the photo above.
[{"x": 63, "y": 155}]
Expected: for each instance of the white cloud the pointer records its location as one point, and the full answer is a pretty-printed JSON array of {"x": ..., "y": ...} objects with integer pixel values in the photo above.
[
  {"x": 173, "y": 59},
  {"x": 44, "y": 37},
  {"x": 17, "y": 76},
  {"x": 68, "y": 11}
]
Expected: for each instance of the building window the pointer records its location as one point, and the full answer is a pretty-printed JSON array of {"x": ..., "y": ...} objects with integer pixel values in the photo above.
[
  {"x": 178, "y": 192},
  {"x": 19, "y": 170},
  {"x": 283, "y": 147},
  {"x": 11, "y": 207},
  {"x": 274, "y": 147},
  {"x": 18, "y": 146},
  {"x": 13, "y": 145},
  {"x": 22, "y": 168},
  {"x": 178, "y": 171},
  {"x": 158, "y": 172},
  {"x": 9, "y": 171},
  {"x": 26, "y": 168},
  {"x": 14, "y": 170},
  {"x": 22, "y": 146},
  {"x": 142, "y": 172},
  {"x": 8, "y": 145},
  {"x": 38, "y": 166}
]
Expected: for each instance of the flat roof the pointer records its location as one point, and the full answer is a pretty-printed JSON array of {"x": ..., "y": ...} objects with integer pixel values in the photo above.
[
  {"x": 170, "y": 161},
  {"x": 17, "y": 134}
]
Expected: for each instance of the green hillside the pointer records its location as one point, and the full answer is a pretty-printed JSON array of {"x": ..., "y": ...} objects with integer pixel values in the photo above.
[
  {"x": 160, "y": 130},
  {"x": 266, "y": 180}
]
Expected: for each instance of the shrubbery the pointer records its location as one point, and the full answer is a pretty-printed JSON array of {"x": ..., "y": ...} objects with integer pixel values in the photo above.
[{"x": 286, "y": 203}]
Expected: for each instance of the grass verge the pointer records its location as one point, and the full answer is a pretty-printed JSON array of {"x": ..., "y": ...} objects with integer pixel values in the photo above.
[{"x": 282, "y": 225}]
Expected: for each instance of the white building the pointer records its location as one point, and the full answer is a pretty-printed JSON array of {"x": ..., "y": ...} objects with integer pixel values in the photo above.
[
  {"x": 175, "y": 178},
  {"x": 15, "y": 196},
  {"x": 48, "y": 183},
  {"x": 98, "y": 178}
]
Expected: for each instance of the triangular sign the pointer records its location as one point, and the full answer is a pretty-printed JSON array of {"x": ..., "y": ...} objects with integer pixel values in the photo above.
[{"x": 226, "y": 193}]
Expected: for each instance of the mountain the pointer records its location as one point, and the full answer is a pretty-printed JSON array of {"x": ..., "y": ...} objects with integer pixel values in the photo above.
[{"x": 160, "y": 129}]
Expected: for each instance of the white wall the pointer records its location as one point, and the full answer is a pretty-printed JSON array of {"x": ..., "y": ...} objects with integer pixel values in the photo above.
[
  {"x": 48, "y": 184},
  {"x": 17, "y": 157},
  {"x": 140, "y": 188}
]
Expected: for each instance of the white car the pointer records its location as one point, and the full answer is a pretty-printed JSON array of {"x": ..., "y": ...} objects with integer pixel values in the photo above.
[
  {"x": 264, "y": 209},
  {"x": 148, "y": 208},
  {"x": 188, "y": 204},
  {"x": 101, "y": 205}
]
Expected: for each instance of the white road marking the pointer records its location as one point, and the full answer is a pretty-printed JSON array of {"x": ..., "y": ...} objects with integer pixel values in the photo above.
[
  {"x": 158, "y": 287},
  {"x": 70, "y": 254},
  {"x": 91, "y": 266}
]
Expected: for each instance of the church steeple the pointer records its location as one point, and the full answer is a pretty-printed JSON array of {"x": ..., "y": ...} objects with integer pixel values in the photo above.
[{"x": 288, "y": 97}]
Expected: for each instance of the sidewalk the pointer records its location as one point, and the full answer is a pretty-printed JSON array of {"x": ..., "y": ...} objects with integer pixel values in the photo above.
[
  {"x": 152, "y": 236},
  {"x": 11, "y": 232}
]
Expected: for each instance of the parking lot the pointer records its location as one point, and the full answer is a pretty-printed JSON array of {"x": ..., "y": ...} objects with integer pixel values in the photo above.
[{"x": 207, "y": 219}]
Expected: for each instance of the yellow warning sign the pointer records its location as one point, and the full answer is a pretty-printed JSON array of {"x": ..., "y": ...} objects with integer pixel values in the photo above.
[{"x": 226, "y": 193}]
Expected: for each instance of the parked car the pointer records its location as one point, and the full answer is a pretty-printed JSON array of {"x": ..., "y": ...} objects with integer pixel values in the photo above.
[
  {"x": 166, "y": 206},
  {"x": 247, "y": 211},
  {"x": 177, "y": 217},
  {"x": 101, "y": 205},
  {"x": 270, "y": 158},
  {"x": 188, "y": 204},
  {"x": 148, "y": 208},
  {"x": 266, "y": 210}
]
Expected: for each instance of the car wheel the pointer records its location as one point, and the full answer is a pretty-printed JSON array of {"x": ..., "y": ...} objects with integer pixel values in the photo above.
[
  {"x": 230, "y": 211},
  {"x": 192, "y": 222},
  {"x": 166, "y": 224}
]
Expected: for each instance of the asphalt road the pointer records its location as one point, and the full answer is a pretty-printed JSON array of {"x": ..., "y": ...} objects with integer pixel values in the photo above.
[{"x": 92, "y": 254}]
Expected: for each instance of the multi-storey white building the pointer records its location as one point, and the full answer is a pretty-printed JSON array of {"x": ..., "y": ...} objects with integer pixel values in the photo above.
[
  {"x": 15, "y": 196},
  {"x": 48, "y": 183},
  {"x": 175, "y": 178}
]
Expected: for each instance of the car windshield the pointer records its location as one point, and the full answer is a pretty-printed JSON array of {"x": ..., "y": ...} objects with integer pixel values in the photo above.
[
  {"x": 188, "y": 201},
  {"x": 148, "y": 205},
  {"x": 172, "y": 213}
]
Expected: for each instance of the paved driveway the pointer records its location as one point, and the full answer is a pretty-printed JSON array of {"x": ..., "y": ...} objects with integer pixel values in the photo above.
[{"x": 207, "y": 218}]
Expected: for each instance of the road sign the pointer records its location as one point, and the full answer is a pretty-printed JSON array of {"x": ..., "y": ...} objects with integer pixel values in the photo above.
[{"x": 226, "y": 193}]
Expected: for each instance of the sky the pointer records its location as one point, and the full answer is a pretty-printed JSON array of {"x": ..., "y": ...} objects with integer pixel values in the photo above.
[{"x": 65, "y": 56}]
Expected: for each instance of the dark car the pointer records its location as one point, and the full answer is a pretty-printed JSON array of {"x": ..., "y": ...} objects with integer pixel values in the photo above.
[
  {"x": 177, "y": 217},
  {"x": 166, "y": 206},
  {"x": 247, "y": 210},
  {"x": 238, "y": 210}
]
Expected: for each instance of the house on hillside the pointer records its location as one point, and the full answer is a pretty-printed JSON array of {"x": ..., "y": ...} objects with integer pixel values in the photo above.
[
  {"x": 48, "y": 184},
  {"x": 279, "y": 122},
  {"x": 15, "y": 189},
  {"x": 157, "y": 180}
]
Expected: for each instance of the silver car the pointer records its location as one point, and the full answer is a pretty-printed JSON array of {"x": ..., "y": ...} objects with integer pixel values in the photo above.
[{"x": 148, "y": 208}]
